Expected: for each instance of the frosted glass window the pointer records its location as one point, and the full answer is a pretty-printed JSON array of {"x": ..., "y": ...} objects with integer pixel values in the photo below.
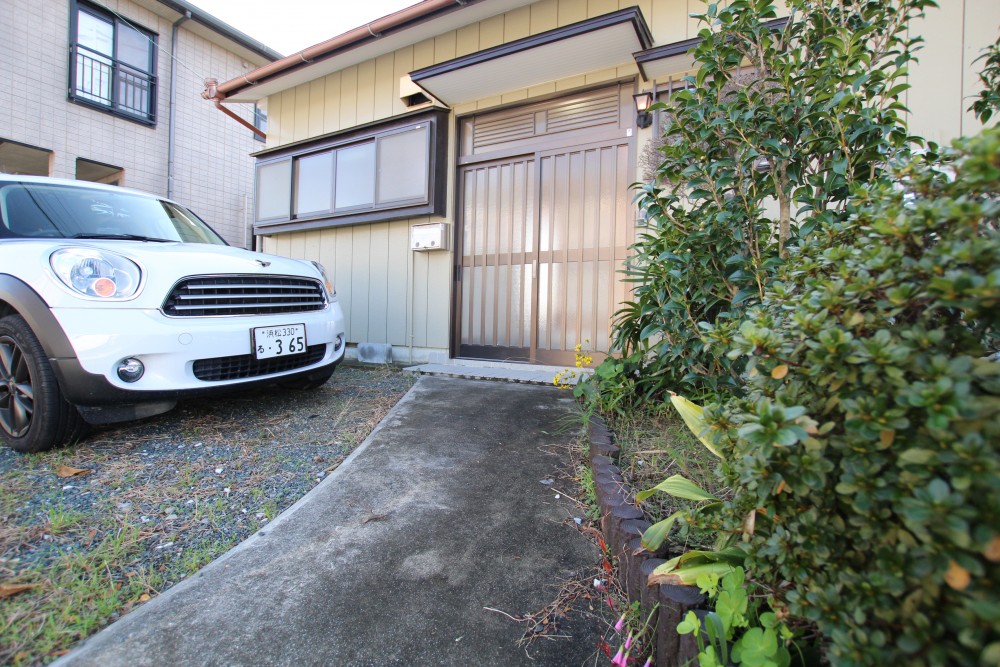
[
  {"x": 355, "y": 176},
  {"x": 403, "y": 165},
  {"x": 134, "y": 48},
  {"x": 274, "y": 189},
  {"x": 95, "y": 33},
  {"x": 314, "y": 184}
]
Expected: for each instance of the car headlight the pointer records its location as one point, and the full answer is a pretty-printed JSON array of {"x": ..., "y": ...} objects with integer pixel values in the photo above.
[
  {"x": 330, "y": 291},
  {"x": 96, "y": 273}
]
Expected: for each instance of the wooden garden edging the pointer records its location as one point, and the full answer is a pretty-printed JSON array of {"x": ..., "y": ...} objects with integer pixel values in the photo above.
[{"x": 623, "y": 524}]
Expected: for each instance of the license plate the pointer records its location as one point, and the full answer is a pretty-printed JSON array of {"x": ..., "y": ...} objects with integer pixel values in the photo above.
[{"x": 280, "y": 341}]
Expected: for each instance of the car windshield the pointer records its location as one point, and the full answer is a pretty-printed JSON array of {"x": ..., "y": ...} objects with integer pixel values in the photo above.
[{"x": 42, "y": 210}]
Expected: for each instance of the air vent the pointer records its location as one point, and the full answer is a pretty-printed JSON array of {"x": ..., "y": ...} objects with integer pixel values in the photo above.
[
  {"x": 580, "y": 115},
  {"x": 205, "y": 296},
  {"x": 244, "y": 366},
  {"x": 501, "y": 130}
]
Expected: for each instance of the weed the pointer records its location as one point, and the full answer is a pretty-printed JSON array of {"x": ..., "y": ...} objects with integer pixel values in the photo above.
[{"x": 61, "y": 519}]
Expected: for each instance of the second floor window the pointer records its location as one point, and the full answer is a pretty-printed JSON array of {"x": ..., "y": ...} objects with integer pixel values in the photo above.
[{"x": 113, "y": 65}]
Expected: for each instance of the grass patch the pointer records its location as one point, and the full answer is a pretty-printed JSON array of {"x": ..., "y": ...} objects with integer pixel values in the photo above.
[{"x": 656, "y": 444}]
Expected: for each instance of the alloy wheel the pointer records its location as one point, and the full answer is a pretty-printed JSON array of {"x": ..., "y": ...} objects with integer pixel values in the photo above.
[{"x": 16, "y": 394}]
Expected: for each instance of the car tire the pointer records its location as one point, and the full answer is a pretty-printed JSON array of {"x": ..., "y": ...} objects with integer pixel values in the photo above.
[
  {"x": 313, "y": 380},
  {"x": 34, "y": 416}
]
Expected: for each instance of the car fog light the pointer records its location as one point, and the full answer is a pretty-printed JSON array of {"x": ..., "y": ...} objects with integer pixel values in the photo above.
[
  {"x": 337, "y": 344},
  {"x": 130, "y": 370}
]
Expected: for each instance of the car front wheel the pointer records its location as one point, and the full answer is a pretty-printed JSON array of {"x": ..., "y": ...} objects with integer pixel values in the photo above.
[{"x": 34, "y": 416}]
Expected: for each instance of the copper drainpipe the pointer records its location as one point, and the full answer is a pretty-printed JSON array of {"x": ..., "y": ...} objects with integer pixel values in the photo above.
[
  {"x": 217, "y": 92},
  {"x": 211, "y": 94}
]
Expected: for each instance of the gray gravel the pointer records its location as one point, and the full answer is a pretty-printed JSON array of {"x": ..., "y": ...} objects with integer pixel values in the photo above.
[{"x": 162, "y": 497}]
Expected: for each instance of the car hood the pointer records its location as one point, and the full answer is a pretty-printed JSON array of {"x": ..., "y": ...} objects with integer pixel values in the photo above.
[{"x": 205, "y": 259}]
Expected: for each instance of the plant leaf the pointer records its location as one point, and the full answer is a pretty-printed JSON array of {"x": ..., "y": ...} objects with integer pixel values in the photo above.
[
  {"x": 9, "y": 590},
  {"x": 679, "y": 487},
  {"x": 654, "y": 536},
  {"x": 694, "y": 416},
  {"x": 957, "y": 576},
  {"x": 70, "y": 471},
  {"x": 687, "y": 576}
]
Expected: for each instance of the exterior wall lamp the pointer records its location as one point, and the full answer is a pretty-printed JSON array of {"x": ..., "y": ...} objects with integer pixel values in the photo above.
[{"x": 643, "y": 118}]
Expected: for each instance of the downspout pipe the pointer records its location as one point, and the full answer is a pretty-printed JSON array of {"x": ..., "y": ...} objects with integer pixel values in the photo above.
[
  {"x": 211, "y": 94},
  {"x": 172, "y": 120}
]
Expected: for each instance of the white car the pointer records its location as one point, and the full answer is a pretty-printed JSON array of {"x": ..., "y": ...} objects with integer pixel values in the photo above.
[{"x": 115, "y": 303}]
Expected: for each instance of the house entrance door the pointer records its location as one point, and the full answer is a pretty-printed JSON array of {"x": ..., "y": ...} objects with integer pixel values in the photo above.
[{"x": 542, "y": 239}]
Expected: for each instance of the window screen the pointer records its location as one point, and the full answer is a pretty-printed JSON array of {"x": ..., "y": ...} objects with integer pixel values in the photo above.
[
  {"x": 402, "y": 165},
  {"x": 274, "y": 189},
  {"x": 314, "y": 183},
  {"x": 356, "y": 176}
]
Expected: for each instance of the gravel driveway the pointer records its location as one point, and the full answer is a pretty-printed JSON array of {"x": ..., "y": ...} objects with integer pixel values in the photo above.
[{"x": 88, "y": 532}]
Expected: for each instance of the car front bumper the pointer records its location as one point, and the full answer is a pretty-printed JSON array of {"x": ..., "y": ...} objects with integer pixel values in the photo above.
[{"x": 170, "y": 347}]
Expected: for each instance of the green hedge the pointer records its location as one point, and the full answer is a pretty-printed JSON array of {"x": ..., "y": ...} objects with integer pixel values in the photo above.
[{"x": 868, "y": 443}]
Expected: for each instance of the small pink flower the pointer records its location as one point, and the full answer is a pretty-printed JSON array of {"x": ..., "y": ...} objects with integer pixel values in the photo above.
[
  {"x": 648, "y": 663},
  {"x": 620, "y": 624},
  {"x": 619, "y": 659},
  {"x": 628, "y": 642}
]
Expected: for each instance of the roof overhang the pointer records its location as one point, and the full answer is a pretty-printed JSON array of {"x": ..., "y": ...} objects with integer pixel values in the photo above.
[
  {"x": 599, "y": 43},
  {"x": 677, "y": 58},
  {"x": 366, "y": 42}
]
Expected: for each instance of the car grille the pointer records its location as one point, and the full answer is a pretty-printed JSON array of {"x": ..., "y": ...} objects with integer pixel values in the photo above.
[
  {"x": 244, "y": 295},
  {"x": 246, "y": 366}
]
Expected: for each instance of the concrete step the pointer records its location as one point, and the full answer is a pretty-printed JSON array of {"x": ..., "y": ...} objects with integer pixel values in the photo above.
[{"x": 501, "y": 371}]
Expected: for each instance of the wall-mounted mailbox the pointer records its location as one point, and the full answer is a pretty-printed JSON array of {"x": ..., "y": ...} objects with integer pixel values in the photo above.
[{"x": 433, "y": 236}]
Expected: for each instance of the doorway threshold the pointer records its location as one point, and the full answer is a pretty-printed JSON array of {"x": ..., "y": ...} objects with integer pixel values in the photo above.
[{"x": 499, "y": 371}]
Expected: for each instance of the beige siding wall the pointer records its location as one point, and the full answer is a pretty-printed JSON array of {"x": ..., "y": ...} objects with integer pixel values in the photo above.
[
  {"x": 213, "y": 172},
  {"x": 391, "y": 295},
  {"x": 946, "y": 78}
]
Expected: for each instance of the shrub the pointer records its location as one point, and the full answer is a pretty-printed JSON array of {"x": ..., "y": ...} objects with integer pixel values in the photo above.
[
  {"x": 752, "y": 159},
  {"x": 867, "y": 446}
]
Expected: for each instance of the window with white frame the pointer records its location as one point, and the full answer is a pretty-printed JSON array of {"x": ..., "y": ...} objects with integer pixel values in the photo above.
[
  {"x": 112, "y": 64},
  {"x": 378, "y": 173}
]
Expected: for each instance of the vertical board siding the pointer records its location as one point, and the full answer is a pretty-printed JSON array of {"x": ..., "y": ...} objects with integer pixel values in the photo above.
[
  {"x": 936, "y": 96},
  {"x": 365, "y": 98},
  {"x": 982, "y": 21},
  {"x": 378, "y": 283},
  {"x": 331, "y": 110},
  {"x": 348, "y": 97}
]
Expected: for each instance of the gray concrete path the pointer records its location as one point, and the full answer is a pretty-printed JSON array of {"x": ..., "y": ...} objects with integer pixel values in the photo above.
[{"x": 392, "y": 559}]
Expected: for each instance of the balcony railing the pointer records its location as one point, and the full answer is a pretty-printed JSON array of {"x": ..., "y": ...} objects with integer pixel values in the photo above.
[{"x": 113, "y": 85}]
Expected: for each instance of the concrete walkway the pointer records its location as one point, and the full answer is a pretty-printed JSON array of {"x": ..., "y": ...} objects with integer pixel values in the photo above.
[{"x": 393, "y": 558}]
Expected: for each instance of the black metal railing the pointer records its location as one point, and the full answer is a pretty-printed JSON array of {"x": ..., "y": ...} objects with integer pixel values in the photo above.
[{"x": 112, "y": 84}]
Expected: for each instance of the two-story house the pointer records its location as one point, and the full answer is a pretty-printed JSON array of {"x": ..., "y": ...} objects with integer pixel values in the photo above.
[{"x": 109, "y": 91}]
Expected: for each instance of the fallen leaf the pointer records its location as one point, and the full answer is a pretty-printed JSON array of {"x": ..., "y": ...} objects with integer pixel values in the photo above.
[
  {"x": 992, "y": 550},
  {"x": 957, "y": 576},
  {"x": 781, "y": 487},
  {"x": 59, "y": 653},
  {"x": 144, "y": 597},
  {"x": 749, "y": 524},
  {"x": 886, "y": 436},
  {"x": 70, "y": 471},
  {"x": 779, "y": 372},
  {"x": 9, "y": 590}
]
